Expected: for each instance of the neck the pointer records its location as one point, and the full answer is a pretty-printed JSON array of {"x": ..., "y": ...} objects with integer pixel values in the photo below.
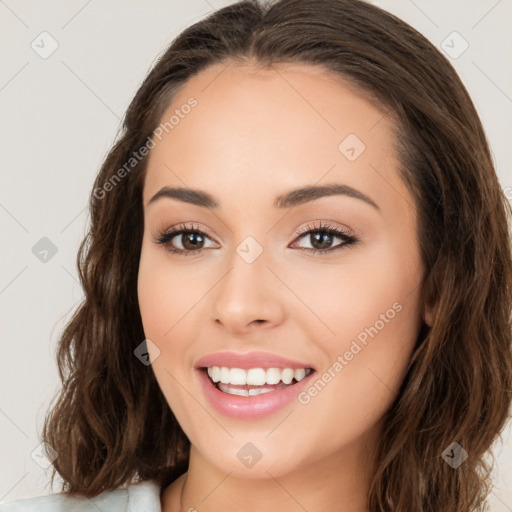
[{"x": 337, "y": 483}]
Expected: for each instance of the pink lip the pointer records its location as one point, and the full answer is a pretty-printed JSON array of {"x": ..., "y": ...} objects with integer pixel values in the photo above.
[
  {"x": 250, "y": 407},
  {"x": 249, "y": 360}
]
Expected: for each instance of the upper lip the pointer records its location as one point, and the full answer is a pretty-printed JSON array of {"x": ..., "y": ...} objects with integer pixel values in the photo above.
[{"x": 249, "y": 360}]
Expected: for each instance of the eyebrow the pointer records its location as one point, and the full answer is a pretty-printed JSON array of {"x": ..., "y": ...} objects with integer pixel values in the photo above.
[{"x": 290, "y": 199}]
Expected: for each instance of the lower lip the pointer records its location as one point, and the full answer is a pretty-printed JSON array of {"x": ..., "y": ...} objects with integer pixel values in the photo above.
[{"x": 250, "y": 407}]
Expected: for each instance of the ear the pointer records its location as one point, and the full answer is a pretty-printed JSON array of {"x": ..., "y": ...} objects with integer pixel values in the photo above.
[{"x": 428, "y": 314}]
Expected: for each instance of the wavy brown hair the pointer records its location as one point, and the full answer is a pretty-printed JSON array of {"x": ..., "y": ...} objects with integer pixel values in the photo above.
[{"x": 111, "y": 424}]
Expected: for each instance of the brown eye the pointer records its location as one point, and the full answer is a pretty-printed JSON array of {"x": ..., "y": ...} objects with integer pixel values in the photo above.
[
  {"x": 321, "y": 239},
  {"x": 191, "y": 241},
  {"x": 183, "y": 240}
]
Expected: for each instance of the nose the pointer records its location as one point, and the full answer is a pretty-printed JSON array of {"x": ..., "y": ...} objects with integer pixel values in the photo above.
[{"x": 248, "y": 297}]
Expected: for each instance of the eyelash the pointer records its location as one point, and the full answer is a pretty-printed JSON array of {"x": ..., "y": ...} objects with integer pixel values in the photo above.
[{"x": 348, "y": 240}]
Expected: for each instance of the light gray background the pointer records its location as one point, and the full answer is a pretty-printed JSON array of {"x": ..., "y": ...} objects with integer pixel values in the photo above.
[{"x": 60, "y": 116}]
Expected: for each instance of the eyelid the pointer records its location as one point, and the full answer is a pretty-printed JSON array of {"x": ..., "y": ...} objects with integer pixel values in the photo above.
[
  {"x": 179, "y": 228},
  {"x": 343, "y": 233},
  {"x": 183, "y": 227},
  {"x": 324, "y": 225}
]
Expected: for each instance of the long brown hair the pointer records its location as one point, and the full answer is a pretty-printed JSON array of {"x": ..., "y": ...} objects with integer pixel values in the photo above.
[{"x": 111, "y": 424}]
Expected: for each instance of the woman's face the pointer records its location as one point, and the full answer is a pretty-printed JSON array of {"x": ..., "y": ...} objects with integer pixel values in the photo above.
[{"x": 250, "y": 281}]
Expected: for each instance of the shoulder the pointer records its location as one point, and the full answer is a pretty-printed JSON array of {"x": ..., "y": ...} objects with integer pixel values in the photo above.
[{"x": 139, "y": 497}]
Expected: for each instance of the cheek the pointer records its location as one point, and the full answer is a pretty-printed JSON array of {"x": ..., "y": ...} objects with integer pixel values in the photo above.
[
  {"x": 362, "y": 293},
  {"x": 153, "y": 301},
  {"x": 163, "y": 293},
  {"x": 168, "y": 302},
  {"x": 371, "y": 318},
  {"x": 160, "y": 308},
  {"x": 372, "y": 308},
  {"x": 362, "y": 375}
]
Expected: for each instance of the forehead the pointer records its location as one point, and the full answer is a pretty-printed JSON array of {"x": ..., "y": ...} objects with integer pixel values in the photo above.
[{"x": 262, "y": 130}]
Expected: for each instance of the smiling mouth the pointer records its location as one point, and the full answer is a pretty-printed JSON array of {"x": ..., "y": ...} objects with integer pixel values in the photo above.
[{"x": 254, "y": 381}]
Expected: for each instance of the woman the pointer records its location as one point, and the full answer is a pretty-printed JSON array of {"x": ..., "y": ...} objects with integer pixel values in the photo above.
[{"x": 338, "y": 336}]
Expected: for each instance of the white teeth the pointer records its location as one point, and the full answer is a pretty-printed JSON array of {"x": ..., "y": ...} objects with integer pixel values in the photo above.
[
  {"x": 273, "y": 375},
  {"x": 233, "y": 391},
  {"x": 237, "y": 376},
  {"x": 255, "y": 376},
  {"x": 300, "y": 374},
  {"x": 287, "y": 375},
  {"x": 259, "y": 391},
  {"x": 225, "y": 375},
  {"x": 214, "y": 373},
  {"x": 226, "y": 388}
]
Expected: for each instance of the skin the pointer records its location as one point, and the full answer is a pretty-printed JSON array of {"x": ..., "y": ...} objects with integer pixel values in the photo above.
[{"x": 254, "y": 135}]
